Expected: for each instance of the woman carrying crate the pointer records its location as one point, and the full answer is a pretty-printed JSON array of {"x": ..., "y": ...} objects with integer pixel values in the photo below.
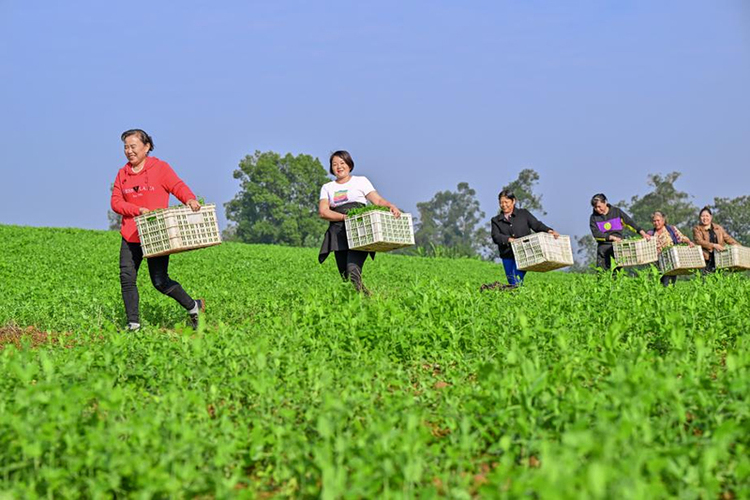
[
  {"x": 711, "y": 236},
  {"x": 513, "y": 223},
  {"x": 666, "y": 236},
  {"x": 337, "y": 197},
  {"x": 607, "y": 224},
  {"x": 142, "y": 185}
]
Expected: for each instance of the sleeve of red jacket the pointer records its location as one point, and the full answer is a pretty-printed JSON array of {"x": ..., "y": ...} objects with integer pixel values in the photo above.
[
  {"x": 175, "y": 185},
  {"x": 118, "y": 203}
]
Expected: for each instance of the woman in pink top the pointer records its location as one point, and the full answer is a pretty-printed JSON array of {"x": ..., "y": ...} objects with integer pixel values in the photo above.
[{"x": 142, "y": 185}]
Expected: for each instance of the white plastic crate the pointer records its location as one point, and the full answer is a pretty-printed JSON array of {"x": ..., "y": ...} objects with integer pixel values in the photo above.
[
  {"x": 379, "y": 231},
  {"x": 681, "y": 259},
  {"x": 733, "y": 258},
  {"x": 542, "y": 252},
  {"x": 635, "y": 252},
  {"x": 177, "y": 229}
]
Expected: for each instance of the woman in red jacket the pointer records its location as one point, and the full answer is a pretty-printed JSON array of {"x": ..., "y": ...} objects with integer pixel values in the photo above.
[{"x": 142, "y": 185}]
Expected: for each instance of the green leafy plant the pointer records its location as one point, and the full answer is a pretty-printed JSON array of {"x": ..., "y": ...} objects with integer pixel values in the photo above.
[
  {"x": 366, "y": 209},
  {"x": 571, "y": 386}
]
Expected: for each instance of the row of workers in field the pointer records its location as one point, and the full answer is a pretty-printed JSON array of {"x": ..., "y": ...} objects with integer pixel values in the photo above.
[
  {"x": 145, "y": 183},
  {"x": 607, "y": 223}
]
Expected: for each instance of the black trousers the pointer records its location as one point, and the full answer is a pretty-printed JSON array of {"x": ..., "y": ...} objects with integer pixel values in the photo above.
[
  {"x": 605, "y": 252},
  {"x": 350, "y": 264},
  {"x": 668, "y": 280},
  {"x": 131, "y": 256}
]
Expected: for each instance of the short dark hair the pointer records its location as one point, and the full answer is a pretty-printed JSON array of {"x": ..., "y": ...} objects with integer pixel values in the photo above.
[
  {"x": 599, "y": 197},
  {"x": 506, "y": 193},
  {"x": 142, "y": 135},
  {"x": 345, "y": 156},
  {"x": 705, "y": 209}
]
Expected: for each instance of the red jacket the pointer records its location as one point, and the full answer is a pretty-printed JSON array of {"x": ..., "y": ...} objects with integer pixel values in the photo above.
[{"x": 148, "y": 188}]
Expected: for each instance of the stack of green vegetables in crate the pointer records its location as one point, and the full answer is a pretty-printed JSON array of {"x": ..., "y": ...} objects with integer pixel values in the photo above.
[
  {"x": 375, "y": 229},
  {"x": 635, "y": 252},
  {"x": 733, "y": 258},
  {"x": 542, "y": 252},
  {"x": 177, "y": 229},
  {"x": 681, "y": 259}
]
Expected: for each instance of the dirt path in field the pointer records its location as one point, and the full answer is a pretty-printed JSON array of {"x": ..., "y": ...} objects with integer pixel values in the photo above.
[{"x": 16, "y": 335}]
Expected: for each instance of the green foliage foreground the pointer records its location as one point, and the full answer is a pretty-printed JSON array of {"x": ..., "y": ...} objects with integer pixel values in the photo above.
[{"x": 570, "y": 387}]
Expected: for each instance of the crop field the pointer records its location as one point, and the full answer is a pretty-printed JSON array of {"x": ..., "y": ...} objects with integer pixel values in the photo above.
[{"x": 574, "y": 386}]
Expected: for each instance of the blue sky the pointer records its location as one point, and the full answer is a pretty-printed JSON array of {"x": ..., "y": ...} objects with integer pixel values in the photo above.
[{"x": 594, "y": 95}]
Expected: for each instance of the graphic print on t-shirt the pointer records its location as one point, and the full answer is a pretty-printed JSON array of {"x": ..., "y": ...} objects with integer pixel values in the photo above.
[
  {"x": 340, "y": 197},
  {"x": 610, "y": 225}
]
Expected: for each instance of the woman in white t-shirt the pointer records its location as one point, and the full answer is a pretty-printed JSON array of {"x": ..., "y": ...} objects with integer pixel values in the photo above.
[{"x": 336, "y": 199}]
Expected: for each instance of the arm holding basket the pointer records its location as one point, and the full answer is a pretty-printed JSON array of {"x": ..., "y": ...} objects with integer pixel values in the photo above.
[{"x": 374, "y": 198}]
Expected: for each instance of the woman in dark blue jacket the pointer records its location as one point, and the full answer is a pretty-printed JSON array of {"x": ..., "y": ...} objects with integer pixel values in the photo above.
[{"x": 513, "y": 223}]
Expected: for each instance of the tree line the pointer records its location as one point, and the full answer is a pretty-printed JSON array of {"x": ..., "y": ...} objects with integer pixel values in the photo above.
[{"x": 276, "y": 193}]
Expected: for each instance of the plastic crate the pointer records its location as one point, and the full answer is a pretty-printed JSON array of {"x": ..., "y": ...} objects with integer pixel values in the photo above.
[
  {"x": 680, "y": 259},
  {"x": 379, "y": 231},
  {"x": 177, "y": 229},
  {"x": 733, "y": 258},
  {"x": 635, "y": 252},
  {"x": 541, "y": 252}
]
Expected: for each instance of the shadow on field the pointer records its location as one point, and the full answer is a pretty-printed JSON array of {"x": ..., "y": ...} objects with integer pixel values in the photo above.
[{"x": 32, "y": 337}]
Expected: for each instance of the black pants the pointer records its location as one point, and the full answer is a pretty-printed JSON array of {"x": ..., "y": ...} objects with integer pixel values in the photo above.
[
  {"x": 605, "y": 252},
  {"x": 131, "y": 256},
  {"x": 668, "y": 280},
  {"x": 350, "y": 264},
  {"x": 710, "y": 264}
]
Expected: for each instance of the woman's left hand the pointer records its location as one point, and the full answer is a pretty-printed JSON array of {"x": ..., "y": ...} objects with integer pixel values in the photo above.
[
  {"x": 193, "y": 204},
  {"x": 554, "y": 233},
  {"x": 395, "y": 211},
  {"x": 690, "y": 244}
]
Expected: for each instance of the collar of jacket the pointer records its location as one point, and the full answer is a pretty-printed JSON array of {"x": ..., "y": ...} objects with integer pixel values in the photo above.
[
  {"x": 512, "y": 214},
  {"x": 713, "y": 227}
]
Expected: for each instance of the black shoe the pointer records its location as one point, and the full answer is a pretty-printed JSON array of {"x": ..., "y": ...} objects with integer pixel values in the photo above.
[{"x": 201, "y": 303}]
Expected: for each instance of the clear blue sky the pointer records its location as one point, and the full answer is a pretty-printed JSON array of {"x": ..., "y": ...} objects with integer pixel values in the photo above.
[{"x": 594, "y": 95}]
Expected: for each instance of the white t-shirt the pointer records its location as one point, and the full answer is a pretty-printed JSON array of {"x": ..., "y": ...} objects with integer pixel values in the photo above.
[{"x": 355, "y": 190}]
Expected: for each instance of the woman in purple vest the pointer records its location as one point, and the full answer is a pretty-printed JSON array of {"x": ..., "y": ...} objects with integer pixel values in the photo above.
[{"x": 607, "y": 223}]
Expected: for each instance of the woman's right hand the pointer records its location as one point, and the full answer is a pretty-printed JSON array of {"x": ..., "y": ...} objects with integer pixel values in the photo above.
[{"x": 143, "y": 210}]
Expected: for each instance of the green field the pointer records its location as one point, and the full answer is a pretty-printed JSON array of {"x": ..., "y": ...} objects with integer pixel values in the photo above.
[{"x": 570, "y": 387}]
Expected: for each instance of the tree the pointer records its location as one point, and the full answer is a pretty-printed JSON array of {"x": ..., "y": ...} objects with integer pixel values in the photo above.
[
  {"x": 113, "y": 219},
  {"x": 523, "y": 188},
  {"x": 585, "y": 253},
  {"x": 733, "y": 214},
  {"x": 676, "y": 205},
  {"x": 278, "y": 200},
  {"x": 450, "y": 220}
]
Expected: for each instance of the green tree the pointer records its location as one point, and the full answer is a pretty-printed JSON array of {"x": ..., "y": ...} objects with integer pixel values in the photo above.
[
  {"x": 733, "y": 214},
  {"x": 523, "y": 188},
  {"x": 449, "y": 221},
  {"x": 585, "y": 253},
  {"x": 114, "y": 220},
  {"x": 664, "y": 196},
  {"x": 278, "y": 200}
]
